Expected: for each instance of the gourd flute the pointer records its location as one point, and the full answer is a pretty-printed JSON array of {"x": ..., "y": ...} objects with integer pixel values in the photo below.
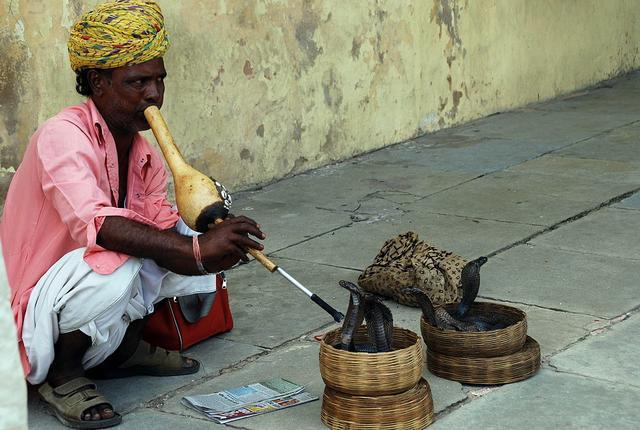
[{"x": 202, "y": 201}]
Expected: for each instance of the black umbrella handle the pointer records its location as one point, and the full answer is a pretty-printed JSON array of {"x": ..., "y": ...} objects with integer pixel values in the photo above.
[{"x": 337, "y": 316}]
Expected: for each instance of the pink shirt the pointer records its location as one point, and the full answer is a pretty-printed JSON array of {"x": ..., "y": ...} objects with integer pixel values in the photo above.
[{"x": 65, "y": 186}]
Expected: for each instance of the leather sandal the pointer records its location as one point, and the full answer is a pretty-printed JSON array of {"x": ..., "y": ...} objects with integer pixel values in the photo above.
[
  {"x": 70, "y": 401},
  {"x": 148, "y": 360}
]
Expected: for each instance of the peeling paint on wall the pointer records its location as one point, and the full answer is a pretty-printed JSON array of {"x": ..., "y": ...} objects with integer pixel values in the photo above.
[
  {"x": 428, "y": 122},
  {"x": 355, "y": 47},
  {"x": 455, "y": 96},
  {"x": 298, "y": 129},
  {"x": 13, "y": 67},
  {"x": 332, "y": 90},
  {"x": 299, "y": 164},
  {"x": 247, "y": 69},
  {"x": 446, "y": 13},
  {"x": 245, "y": 154},
  {"x": 304, "y": 33}
]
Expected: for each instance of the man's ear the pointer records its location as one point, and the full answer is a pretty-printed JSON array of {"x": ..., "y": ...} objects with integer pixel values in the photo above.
[{"x": 97, "y": 81}]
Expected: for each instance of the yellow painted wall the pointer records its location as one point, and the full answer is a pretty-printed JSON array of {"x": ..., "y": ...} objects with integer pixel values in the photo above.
[{"x": 259, "y": 89}]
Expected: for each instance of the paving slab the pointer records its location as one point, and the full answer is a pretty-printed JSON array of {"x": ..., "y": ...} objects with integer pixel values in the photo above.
[
  {"x": 288, "y": 224},
  {"x": 610, "y": 355},
  {"x": 600, "y": 286},
  {"x": 411, "y": 178},
  {"x": 379, "y": 206},
  {"x": 357, "y": 245},
  {"x": 555, "y": 128},
  {"x": 602, "y": 102},
  {"x": 217, "y": 353},
  {"x": 607, "y": 100},
  {"x": 550, "y": 400},
  {"x": 536, "y": 199},
  {"x": 625, "y": 83},
  {"x": 562, "y": 167},
  {"x": 444, "y": 392},
  {"x": 449, "y": 152},
  {"x": 343, "y": 185},
  {"x": 555, "y": 330},
  {"x": 151, "y": 419},
  {"x": 322, "y": 202},
  {"x": 617, "y": 145},
  {"x": 632, "y": 202},
  {"x": 268, "y": 310},
  {"x": 604, "y": 232}
]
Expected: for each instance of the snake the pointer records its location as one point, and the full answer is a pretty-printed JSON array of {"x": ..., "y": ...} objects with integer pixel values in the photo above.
[
  {"x": 439, "y": 317},
  {"x": 488, "y": 322},
  {"x": 470, "y": 281},
  {"x": 365, "y": 306},
  {"x": 379, "y": 322},
  {"x": 353, "y": 317}
]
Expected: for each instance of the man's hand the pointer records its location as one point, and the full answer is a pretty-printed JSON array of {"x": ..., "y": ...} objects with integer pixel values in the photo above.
[
  {"x": 227, "y": 242},
  {"x": 220, "y": 248}
]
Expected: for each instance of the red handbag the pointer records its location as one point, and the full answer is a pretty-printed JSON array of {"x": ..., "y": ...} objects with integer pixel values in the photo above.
[{"x": 169, "y": 327}]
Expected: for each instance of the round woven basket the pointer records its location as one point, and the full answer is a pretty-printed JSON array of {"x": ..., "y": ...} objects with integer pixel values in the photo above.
[
  {"x": 412, "y": 409},
  {"x": 372, "y": 374},
  {"x": 493, "y": 343},
  {"x": 490, "y": 370}
]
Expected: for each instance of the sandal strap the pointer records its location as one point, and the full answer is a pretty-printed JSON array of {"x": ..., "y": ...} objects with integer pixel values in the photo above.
[
  {"x": 169, "y": 358},
  {"x": 74, "y": 385},
  {"x": 149, "y": 355},
  {"x": 142, "y": 350},
  {"x": 77, "y": 403}
]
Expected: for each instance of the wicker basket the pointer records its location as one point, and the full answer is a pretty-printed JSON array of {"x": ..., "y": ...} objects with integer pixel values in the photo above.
[
  {"x": 493, "y": 343},
  {"x": 412, "y": 409},
  {"x": 372, "y": 374},
  {"x": 487, "y": 371}
]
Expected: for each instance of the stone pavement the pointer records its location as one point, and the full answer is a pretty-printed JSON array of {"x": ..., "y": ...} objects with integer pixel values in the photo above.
[{"x": 550, "y": 192}]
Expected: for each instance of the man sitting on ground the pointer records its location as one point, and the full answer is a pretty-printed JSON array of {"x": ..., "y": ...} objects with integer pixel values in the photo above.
[{"x": 89, "y": 238}]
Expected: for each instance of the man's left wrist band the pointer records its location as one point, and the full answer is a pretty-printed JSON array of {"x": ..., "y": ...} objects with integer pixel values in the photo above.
[{"x": 198, "y": 258}]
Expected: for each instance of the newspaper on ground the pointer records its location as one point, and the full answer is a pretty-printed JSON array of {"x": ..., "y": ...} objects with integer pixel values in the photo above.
[{"x": 249, "y": 400}]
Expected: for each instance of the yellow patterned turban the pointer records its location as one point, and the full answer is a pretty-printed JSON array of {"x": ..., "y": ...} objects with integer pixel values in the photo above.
[{"x": 118, "y": 33}]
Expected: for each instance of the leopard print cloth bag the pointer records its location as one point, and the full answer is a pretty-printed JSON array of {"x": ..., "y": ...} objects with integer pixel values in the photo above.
[{"x": 405, "y": 261}]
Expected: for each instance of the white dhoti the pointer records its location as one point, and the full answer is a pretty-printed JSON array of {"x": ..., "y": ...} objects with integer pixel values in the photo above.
[{"x": 71, "y": 296}]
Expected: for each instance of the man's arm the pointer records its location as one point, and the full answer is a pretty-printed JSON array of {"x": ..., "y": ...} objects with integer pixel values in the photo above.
[{"x": 221, "y": 247}]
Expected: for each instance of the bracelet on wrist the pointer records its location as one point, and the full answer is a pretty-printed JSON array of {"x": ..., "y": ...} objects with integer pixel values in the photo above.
[{"x": 198, "y": 258}]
